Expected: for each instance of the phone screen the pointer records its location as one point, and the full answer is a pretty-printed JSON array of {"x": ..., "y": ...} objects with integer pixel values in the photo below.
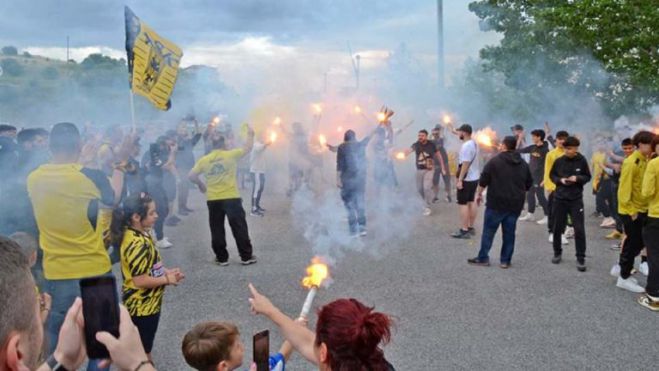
[
  {"x": 100, "y": 307},
  {"x": 261, "y": 348}
]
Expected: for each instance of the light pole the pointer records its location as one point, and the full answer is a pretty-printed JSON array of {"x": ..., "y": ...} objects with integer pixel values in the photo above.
[{"x": 440, "y": 44}]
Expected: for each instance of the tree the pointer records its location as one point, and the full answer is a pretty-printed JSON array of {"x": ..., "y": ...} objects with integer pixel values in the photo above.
[
  {"x": 9, "y": 50},
  {"x": 11, "y": 67},
  {"x": 606, "y": 49}
]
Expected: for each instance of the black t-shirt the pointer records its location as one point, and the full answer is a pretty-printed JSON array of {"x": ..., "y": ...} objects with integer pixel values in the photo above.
[{"x": 425, "y": 154}]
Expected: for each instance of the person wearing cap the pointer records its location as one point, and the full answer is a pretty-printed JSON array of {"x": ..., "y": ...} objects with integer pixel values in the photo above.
[
  {"x": 507, "y": 177},
  {"x": 426, "y": 155},
  {"x": 438, "y": 140},
  {"x": 467, "y": 182}
]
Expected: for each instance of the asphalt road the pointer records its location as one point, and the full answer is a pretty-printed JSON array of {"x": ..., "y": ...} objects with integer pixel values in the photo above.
[{"x": 449, "y": 315}]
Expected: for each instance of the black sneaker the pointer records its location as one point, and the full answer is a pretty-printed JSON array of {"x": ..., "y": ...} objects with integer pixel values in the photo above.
[
  {"x": 556, "y": 259},
  {"x": 461, "y": 233},
  {"x": 259, "y": 208},
  {"x": 255, "y": 212},
  {"x": 221, "y": 263},
  {"x": 249, "y": 261},
  {"x": 472, "y": 231},
  {"x": 435, "y": 200},
  {"x": 581, "y": 266},
  {"x": 476, "y": 261}
]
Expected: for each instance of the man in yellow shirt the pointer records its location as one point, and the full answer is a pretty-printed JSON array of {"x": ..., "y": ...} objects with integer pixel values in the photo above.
[
  {"x": 550, "y": 187},
  {"x": 650, "y": 190},
  {"x": 219, "y": 167},
  {"x": 66, "y": 197},
  {"x": 633, "y": 207}
]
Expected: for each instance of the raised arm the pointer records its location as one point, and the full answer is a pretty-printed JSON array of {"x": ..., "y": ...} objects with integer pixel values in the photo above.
[{"x": 301, "y": 338}]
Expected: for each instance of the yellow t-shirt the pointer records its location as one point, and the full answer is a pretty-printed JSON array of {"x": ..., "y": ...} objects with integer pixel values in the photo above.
[
  {"x": 65, "y": 199},
  {"x": 219, "y": 169},
  {"x": 630, "y": 197},
  {"x": 139, "y": 256},
  {"x": 650, "y": 187},
  {"x": 549, "y": 163}
]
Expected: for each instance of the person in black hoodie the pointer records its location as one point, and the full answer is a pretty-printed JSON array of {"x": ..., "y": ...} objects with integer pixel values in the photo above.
[
  {"x": 538, "y": 151},
  {"x": 351, "y": 179},
  {"x": 507, "y": 177},
  {"x": 570, "y": 172}
]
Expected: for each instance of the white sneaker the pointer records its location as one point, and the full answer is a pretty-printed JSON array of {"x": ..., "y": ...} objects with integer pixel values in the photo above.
[
  {"x": 528, "y": 217},
  {"x": 564, "y": 240},
  {"x": 615, "y": 270},
  {"x": 629, "y": 285},
  {"x": 427, "y": 211},
  {"x": 542, "y": 221},
  {"x": 164, "y": 244},
  {"x": 608, "y": 223},
  {"x": 569, "y": 232},
  {"x": 644, "y": 268}
]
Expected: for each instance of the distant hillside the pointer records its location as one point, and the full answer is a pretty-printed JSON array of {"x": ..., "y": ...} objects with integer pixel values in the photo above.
[{"x": 36, "y": 90}]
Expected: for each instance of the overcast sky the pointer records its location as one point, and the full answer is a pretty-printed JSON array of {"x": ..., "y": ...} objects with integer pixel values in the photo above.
[{"x": 235, "y": 34}]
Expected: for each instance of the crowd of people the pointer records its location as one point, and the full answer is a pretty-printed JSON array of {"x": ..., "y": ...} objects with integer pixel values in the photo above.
[{"x": 76, "y": 202}]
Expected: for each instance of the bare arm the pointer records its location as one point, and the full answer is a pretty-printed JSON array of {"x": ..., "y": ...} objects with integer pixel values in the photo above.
[
  {"x": 193, "y": 176},
  {"x": 301, "y": 338}
]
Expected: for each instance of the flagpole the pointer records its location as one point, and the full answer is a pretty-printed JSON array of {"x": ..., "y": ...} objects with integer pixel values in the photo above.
[{"x": 132, "y": 110}]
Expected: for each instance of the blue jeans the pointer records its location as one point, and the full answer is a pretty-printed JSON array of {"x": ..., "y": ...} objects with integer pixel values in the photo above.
[
  {"x": 63, "y": 293},
  {"x": 491, "y": 222}
]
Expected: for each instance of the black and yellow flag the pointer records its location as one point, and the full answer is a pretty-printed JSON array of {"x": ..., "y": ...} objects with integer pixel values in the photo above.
[{"x": 152, "y": 62}]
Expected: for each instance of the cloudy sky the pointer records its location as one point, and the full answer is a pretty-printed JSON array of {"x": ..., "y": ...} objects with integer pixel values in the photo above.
[{"x": 243, "y": 36}]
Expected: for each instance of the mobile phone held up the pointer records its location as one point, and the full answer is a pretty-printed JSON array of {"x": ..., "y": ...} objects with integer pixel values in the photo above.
[
  {"x": 100, "y": 307},
  {"x": 261, "y": 349}
]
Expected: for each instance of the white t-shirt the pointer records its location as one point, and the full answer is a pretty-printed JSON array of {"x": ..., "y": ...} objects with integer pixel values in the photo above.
[
  {"x": 469, "y": 153},
  {"x": 257, "y": 158}
]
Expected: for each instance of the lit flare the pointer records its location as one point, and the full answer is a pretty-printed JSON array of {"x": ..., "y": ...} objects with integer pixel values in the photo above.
[
  {"x": 317, "y": 272},
  {"x": 277, "y": 121},
  {"x": 273, "y": 136},
  {"x": 485, "y": 137},
  {"x": 322, "y": 140},
  {"x": 400, "y": 156},
  {"x": 317, "y": 108}
]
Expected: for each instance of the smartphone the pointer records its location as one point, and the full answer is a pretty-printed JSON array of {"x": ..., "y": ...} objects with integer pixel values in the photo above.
[
  {"x": 261, "y": 347},
  {"x": 100, "y": 307}
]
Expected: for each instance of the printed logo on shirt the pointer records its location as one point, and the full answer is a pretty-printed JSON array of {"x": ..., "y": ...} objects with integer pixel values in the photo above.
[
  {"x": 217, "y": 169},
  {"x": 158, "y": 270}
]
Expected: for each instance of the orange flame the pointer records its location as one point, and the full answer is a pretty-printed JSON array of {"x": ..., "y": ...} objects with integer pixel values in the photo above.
[
  {"x": 318, "y": 109},
  {"x": 400, "y": 156},
  {"x": 485, "y": 137},
  {"x": 358, "y": 110},
  {"x": 322, "y": 139},
  {"x": 273, "y": 136},
  {"x": 317, "y": 272},
  {"x": 339, "y": 129},
  {"x": 277, "y": 121},
  {"x": 216, "y": 120},
  {"x": 382, "y": 117}
]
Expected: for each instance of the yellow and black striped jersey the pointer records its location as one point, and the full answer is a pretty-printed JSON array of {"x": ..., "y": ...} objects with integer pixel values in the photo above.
[{"x": 139, "y": 256}]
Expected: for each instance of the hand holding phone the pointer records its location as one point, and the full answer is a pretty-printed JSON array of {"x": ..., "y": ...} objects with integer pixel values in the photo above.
[
  {"x": 100, "y": 309},
  {"x": 261, "y": 350}
]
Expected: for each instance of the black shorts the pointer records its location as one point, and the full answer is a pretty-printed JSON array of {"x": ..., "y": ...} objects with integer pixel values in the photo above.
[
  {"x": 147, "y": 326},
  {"x": 467, "y": 193}
]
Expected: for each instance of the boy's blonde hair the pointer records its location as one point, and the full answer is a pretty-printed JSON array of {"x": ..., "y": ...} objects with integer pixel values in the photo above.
[{"x": 208, "y": 344}]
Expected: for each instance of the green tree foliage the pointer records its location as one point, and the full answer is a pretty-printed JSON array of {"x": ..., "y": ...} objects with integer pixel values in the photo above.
[
  {"x": 9, "y": 50},
  {"x": 607, "y": 49}
]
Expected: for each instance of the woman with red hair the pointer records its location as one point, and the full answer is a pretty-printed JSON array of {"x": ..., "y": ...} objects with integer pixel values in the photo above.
[{"x": 347, "y": 338}]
